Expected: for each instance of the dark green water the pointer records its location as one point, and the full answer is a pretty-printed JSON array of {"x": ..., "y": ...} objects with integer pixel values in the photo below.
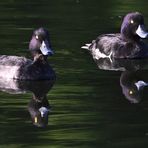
[{"x": 88, "y": 107}]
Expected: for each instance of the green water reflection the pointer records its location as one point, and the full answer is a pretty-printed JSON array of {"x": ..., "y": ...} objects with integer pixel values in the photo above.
[{"x": 88, "y": 108}]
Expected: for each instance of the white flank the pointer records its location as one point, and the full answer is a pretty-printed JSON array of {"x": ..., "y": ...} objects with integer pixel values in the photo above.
[
  {"x": 97, "y": 54},
  {"x": 8, "y": 72}
]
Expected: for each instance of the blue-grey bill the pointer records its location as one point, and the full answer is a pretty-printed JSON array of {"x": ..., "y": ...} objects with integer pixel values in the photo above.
[
  {"x": 44, "y": 111},
  {"x": 45, "y": 49},
  {"x": 141, "y": 84},
  {"x": 141, "y": 31}
]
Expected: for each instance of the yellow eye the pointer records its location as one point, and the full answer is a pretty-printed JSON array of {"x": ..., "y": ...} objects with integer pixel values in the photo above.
[
  {"x": 37, "y": 37},
  {"x": 132, "y": 21},
  {"x": 35, "y": 119},
  {"x": 130, "y": 92}
]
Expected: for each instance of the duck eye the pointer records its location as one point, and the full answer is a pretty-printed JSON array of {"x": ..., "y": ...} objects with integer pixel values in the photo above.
[
  {"x": 37, "y": 37},
  {"x": 132, "y": 22},
  {"x": 130, "y": 92},
  {"x": 35, "y": 119}
]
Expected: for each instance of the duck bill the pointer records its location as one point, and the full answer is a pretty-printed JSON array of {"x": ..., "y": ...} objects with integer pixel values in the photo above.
[
  {"x": 141, "y": 84},
  {"x": 141, "y": 31},
  {"x": 45, "y": 49},
  {"x": 44, "y": 111}
]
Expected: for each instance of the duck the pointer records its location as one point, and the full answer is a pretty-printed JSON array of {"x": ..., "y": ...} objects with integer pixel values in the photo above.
[
  {"x": 122, "y": 64},
  {"x": 132, "y": 86},
  {"x": 126, "y": 44},
  {"x": 39, "y": 111},
  {"x": 22, "y": 68}
]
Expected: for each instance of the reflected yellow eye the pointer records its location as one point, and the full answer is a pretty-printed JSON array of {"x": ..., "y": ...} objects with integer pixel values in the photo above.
[
  {"x": 35, "y": 119},
  {"x": 132, "y": 21},
  {"x": 130, "y": 92}
]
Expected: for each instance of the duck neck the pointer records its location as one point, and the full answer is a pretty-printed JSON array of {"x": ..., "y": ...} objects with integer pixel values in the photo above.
[
  {"x": 130, "y": 38},
  {"x": 38, "y": 98},
  {"x": 40, "y": 58}
]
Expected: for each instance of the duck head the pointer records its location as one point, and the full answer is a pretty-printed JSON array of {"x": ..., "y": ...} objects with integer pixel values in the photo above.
[
  {"x": 39, "y": 110},
  {"x": 132, "y": 28},
  {"x": 131, "y": 86},
  {"x": 40, "y": 44}
]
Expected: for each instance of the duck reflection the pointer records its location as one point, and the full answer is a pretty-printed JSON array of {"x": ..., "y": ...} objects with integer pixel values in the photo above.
[
  {"x": 38, "y": 107},
  {"x": 132, "y": 86},
  {"x": 131, "y": 80}
]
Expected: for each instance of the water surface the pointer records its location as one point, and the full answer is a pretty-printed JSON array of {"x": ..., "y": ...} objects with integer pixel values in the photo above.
[{"x": 88, "y": 107}]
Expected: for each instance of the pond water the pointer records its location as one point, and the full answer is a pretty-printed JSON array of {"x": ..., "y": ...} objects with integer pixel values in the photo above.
[{"x": 88, "y": 108}]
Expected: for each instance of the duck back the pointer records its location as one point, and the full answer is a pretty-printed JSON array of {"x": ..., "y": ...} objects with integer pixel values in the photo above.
[{"x": 112, "y": 45}]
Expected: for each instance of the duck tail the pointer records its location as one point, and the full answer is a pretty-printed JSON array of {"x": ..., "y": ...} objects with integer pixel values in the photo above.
[{"x": 86, "y": 46}]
